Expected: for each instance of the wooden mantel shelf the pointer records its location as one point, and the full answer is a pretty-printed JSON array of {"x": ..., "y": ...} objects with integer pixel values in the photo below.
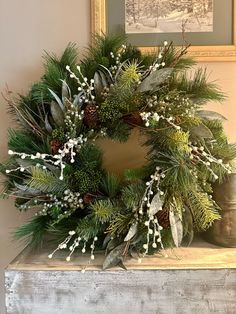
[
  {"x": 198, "y": 279},
  {"x": 201, "y": 255}
]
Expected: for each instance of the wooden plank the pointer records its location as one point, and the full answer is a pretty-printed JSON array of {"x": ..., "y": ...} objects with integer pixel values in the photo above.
[
  {"x": 201, "y": 255},
  {"x": 140, "y": 291}
]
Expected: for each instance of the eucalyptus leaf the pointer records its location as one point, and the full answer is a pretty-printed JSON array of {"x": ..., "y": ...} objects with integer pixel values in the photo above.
[
  {"x": 201, "y": 131},
  {"x": 48, "y": 126},
  {"x": 50, "y": 166},
  {"x": 115, "y": 257},
  {"x": 106, "y": 241},
  {"x": 112, "y": 244},
  {"x": 65, "y": 91},
  {"x": 154, "y": 80},
  {"x": 103, "y": 76},
  {"x": 118, "y": 71},
  {"x": 176, "y": 227},
  {"x": 78, "y": 99},
  {"x": 25, "y": 163},
  {"x": 58, "y": 100},
  {"x": 132, "y": 232},
  {"x": 98, "y": 85},
  {"x": 134, "y": 253},
  {"x": 211, "y": 115},
  {"x": 26, "y": 189},
  {"x": 57, "y": 114},
  {"x": 188, "y": 232},
  {"x": 156, "y": 205}
]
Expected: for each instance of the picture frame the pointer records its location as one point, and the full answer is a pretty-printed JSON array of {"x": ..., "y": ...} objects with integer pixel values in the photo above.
[{"x": 204, "y": 53}]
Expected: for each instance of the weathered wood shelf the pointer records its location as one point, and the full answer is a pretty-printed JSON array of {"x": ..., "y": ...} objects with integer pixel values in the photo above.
[{"x": 199, "y": 279}]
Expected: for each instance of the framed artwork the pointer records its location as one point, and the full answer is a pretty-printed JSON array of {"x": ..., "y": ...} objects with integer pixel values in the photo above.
[{"x": 208, "y": 25}]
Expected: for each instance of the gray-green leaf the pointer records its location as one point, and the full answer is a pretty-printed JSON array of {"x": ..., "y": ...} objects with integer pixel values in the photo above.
[
  {"x": 132, "y": 232},
  {"x": 58, "y": 100},
  {"x": 48, "y": 126},
  {"x": 65, "y": 91},
  {"x": 98, "y": 85},
  {"x": 211, "y": 115},
  {"x": 115, "y": 257},
  {"x": 201, "y": 131},
  {"x": 78, "y": 101},
  {"x": 156, "y": 205},
  {"x": 188, "y": 232},
  {"x": 26, "y": 189},
  {"x": 57, "y": 114},
  {"x": 154, "y": 80},
  {"x": 176, "y": 227}
]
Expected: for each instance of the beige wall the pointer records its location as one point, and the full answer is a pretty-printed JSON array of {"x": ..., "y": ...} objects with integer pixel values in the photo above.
[{"x": 27, "y": 27}]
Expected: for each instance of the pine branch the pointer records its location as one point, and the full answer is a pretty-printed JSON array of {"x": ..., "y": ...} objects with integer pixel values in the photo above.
[
  {"x": 111, "y": 185},
  {"x": 132, "y": 194},
  {"x": 20, "y": 141},
  {"x": 33, "y": 231},
  {"x": 99, "y": 53},
  {"x": 103, "y": 211},
  {"x": 120, "y": 224},
  {"x": 88, "y": 227},
  {"x": 197, "y": 87},
  {"x": 47, "y": 182},
  {"x": 204, "y": 211}
]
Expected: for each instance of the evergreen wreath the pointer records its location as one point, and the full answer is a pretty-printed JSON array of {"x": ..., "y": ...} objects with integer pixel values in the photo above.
[{"x": 55, "y": 167}]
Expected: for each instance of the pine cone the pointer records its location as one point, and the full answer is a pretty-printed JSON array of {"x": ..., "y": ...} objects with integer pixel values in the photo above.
[
  {"x": 163, "y": 218},
  {"x": 55, "y": 146},
  {"x": 133, "y": 119},
  {"x": 89, "y": 198},
  {"x": 91, "y": 118}
]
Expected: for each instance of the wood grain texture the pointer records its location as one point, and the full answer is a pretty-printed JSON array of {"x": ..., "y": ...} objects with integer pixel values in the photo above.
[{"x": 147, "y": 292}]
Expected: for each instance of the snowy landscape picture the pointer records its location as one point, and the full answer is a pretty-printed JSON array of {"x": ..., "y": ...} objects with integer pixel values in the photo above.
[{"x": 168, "y": 16}]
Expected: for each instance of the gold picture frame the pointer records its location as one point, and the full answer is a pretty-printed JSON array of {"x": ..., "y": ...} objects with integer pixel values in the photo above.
[{"x": 200, "y": 53}]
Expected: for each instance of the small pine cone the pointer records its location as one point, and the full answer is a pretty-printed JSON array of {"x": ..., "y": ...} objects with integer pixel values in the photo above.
[
  {"x": 91, "y": 118},
  {"x": 163, "y": 218},
  {"x": 89, "y": 198},
  {"x": 55, "y": 146},
  {"x": 133, "y": 119}
]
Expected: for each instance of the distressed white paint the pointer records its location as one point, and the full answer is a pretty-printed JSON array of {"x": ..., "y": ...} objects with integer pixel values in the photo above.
[
  {"x": 133, "y": 291},
  {"x": 196, "y": 280}
]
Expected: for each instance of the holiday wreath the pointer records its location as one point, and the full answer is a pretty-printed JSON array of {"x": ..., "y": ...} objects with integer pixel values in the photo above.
[{"x": 55, "y": 166}]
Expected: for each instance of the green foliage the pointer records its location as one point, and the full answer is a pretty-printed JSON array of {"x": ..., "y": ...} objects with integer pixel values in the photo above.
[
  {"x": 178, "y": 173},
  {"x": 139, "y": 173},
  {"x": 197, "y": 87},
  {"x": 132, "y": 194},
  {"x": 115, "y": 88},
  {"x": 100, "y": 53},
  {"x": 27, "y": 142},
  {"x": 86, "y": 181},
  {"x": 204, "y": 210},
  {"x": 121, "y": 99},
  {"x": 88, "y": 227},
  {"x": 119, "y": 131},
  {"x": 47, "y": 181},
  {"x": 59, "y": 134},
  {"x": 90, "y": 157},
  {"x": 111, "y": 185},
  {"x": 174, "y": 141},
  {"x": 103, "y": 210},
  {"x": 33, "y": 231},
  {"x": 119, "y": 225}
]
